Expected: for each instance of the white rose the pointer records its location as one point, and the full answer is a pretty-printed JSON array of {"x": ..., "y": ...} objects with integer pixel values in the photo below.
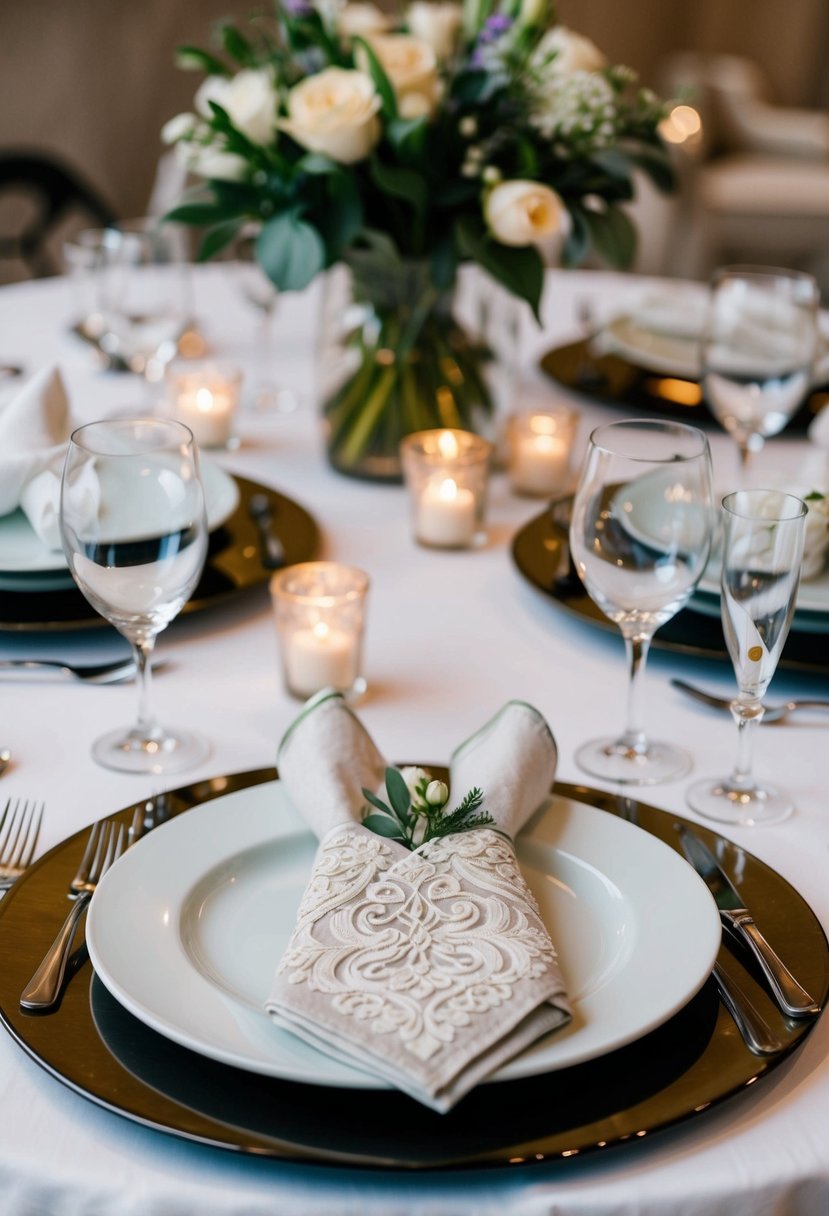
[
  {"x": 182, "y": 126},
  {"x": 573, "y": 52},
  {"x": 411, "y": 66},
  {"x": 249, "y": 98},
  {"x": 363, "y": 19},
  {"x": 335, "y": 113},
  {"x": 523, "y": 213},
  {"x": 437, "y": 23}
]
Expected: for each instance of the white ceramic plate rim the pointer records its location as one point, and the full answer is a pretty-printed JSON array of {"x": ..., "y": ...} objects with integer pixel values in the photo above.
[
  {"x": 26, "y": 554},
  {"x": 812, "y": 596},
  {"x": 135, "y": 938}
]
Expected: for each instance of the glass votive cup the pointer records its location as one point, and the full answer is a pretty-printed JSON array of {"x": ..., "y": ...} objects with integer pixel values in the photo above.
[
  {"x": 539, "y": 446},
  {"x": 320, "y": 618},
  {"x": 205, "y": 396},
  {"x": 447, "y": 474}
]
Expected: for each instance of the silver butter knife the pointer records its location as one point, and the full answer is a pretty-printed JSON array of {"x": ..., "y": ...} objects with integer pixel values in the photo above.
[{"x": 792, "y": 998}]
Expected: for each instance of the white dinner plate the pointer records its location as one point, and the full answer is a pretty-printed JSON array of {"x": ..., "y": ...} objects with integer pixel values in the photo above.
[
  {"x": 27, "y": 565},
  {"x": 812, "y": 596},
  {"x": 187, "y": 928}
]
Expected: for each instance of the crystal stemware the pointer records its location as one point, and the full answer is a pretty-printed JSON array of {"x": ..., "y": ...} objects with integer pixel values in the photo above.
[
  {"x": 758, "y": 350},
  {"x": 640, "y": 536},
  {"x": 269, "y": 396},
  {"x": 134, "y": 532},
  {"x": 762, "y": 555}
]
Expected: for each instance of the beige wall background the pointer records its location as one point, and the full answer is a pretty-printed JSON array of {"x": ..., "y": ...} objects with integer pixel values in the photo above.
[{"x": 93, "y": 80}]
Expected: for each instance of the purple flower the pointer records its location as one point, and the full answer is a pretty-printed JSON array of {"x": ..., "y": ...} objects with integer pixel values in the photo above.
[
  {"x": 298, "y": 8},
  {"x": 494, "y": 28}
]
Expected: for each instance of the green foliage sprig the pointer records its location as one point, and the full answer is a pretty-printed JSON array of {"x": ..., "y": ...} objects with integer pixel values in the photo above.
[{"x": 416, "y": 814}]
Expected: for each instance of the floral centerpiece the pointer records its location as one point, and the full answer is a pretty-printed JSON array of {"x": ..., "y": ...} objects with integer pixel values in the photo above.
[{"x": 402, "y": 149}]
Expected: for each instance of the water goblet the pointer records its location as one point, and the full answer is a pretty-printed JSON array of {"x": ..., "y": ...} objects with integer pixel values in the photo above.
[
  {"x": 143, "y": 295},
  {"x": 640, "y": 536},
  {"x": 134, "y": 531},
  {"x": 261, "y": 294},
  {"x": 758, "y": 350},
  {"x": 762, "y": 555}
]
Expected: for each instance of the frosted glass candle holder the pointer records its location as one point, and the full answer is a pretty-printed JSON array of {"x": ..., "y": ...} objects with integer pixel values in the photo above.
[
  {"x": 447, "y": 474},
  {"x": 205, "y": 397},
  {"x": 320, "y": 615},
  {"x": 539, "y": 447}
]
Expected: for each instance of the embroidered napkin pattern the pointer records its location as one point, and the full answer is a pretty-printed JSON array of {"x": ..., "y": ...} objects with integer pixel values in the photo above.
[{"x": 429, "y": 968}]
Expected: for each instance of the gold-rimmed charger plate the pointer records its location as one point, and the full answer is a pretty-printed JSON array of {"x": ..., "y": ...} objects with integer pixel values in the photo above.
[
  {"x": 541, "y": 552},
  {"x": 235, "y": 563},
  {"x": 694, "y": 1061}
]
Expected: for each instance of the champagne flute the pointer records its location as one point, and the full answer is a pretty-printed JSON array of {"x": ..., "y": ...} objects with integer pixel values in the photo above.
[
  {"x": 640, "y": 536},
  {"x": 134, "y": 531},
  {"x": 762, "y": 555},
  {"x": 143, "y": 295},
  {"x": 758, "y": 350}
]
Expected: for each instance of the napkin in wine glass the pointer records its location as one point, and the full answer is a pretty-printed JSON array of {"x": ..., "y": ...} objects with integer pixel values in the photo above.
[
  {"x": 34, "y": 430},
  {"x": 428, "y": 968}
]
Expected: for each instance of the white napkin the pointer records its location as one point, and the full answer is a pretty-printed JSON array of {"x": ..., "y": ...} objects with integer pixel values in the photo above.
[
  {"x": 34, "y": 429},
  {"x": 429, "y": 968}
]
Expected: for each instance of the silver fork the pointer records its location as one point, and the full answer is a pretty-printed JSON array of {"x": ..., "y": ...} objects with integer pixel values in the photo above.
[
  {"x": 105, "y": 845},
  {"x": 20, "y": 824}
]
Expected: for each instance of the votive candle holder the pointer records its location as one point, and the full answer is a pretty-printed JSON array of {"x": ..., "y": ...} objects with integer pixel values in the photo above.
[
  {"x": 447, "y": 474},
  {"x": 539, "y": 447},
  {"x": 205, "y": 397}
]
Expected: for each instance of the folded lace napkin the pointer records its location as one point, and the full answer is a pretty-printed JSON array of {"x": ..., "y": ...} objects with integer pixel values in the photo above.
[
  {"x": 34, "y": 429},
  {"x": 429, "y": 968}
]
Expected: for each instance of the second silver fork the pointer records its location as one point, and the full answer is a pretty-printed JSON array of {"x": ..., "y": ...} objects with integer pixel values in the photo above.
[{"x": 105, "y": 845}]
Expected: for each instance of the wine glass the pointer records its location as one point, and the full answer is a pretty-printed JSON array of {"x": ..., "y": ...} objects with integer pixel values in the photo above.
[
  {"x": 640, "y": 536},
  {"x": 262, "y": 294},
  {"x": 143, "y": 294},
  {"x": 134, "y": 531},
  {"x": 762, "y": 555},
  {"x": 758, "y": 350}
]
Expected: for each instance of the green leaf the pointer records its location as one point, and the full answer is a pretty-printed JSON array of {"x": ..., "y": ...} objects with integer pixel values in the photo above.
[
  {"x": 384, "y": 825},
  {"x": 237, "y": 46},
  {"x": 375, "y": 801},
  {"x": 342, "y": 219},
  {"x": 218, "y": 237},
  {"x": 194, "y": 59},
  {"x": 444, "y": 264},
  {"x": 520, "y": 270},
  {"x": 577, "y": 245},
  {"x": 197, "y": 214},
  {"x": 290, "y": 251},
  {"x": 408, "y": 138},
  {"x": 315, "y": 163},
  {"x": 656, "y": 163},
  {"x": 398, "y": 793},
  {"x": 382, "y": 83},
  {"x": 400, "y": 183},
  {"x": 613, "y": 235}
]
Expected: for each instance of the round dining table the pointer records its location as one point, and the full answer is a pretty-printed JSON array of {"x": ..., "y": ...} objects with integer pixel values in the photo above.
[{"x": 450, "y": 635}]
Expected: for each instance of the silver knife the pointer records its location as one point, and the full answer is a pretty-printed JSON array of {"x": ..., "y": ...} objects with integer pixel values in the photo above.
[{"x": 792, "y": 998}]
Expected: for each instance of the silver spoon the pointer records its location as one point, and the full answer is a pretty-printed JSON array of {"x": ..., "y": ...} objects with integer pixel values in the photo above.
[
  {"x": 774, "y": 713},
  {"x": 92, "y": 673}
]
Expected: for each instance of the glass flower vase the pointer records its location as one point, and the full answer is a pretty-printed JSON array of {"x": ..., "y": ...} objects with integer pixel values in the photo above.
[{"x": 398, "y": 356}]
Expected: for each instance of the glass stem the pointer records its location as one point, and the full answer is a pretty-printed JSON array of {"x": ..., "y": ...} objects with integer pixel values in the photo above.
[
  {"x": 746, "y": 714},
  {"x": 146, "y": 724},
  {"x": 636, "y": 649}
]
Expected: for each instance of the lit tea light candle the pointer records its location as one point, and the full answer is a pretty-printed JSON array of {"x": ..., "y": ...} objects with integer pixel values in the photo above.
[
  {"x": 320, "y": 657},
  {"x": 319, "y": 609},
  {"x": 539, "y": 451},
  {"x": 445, "y": 514},
  {"x": 206, "y": 401},
  {"x": 446, "y": 472}
]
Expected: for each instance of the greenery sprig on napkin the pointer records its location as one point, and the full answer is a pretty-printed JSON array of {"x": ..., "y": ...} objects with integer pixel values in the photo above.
[{"x": 416, "y": 810}]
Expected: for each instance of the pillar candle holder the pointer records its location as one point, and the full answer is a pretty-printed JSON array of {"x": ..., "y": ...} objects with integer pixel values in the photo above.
[
  {"x": 447, "y": 473},
  {"x": 539, "y": 447},
  {"x": 320, "y": 615}
]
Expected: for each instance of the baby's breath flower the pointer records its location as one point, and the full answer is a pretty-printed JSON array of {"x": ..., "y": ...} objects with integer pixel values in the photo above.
[{"x": 468, "y": 126}]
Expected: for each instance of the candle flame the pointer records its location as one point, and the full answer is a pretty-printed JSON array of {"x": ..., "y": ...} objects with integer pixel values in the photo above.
[
  {"x": 447, "y": 445},
  {"x": 321, "y": 630},
  {"x": 543, "y": 424},
  {"x": 204, "y": 400},
  {"x": 448, "y": 491}
]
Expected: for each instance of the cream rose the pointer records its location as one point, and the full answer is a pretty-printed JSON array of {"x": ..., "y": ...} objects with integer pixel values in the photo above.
[
  {"x": 438, "y": 24},
  {"x": 249, "y": 98},
  {"x": 364, "y": 19},
  {"x": 335, "y": 113},
  {"x": 523, "y": 213},
  {"x": 573, "y": 52},
  {"x": 411, "y": 66}
]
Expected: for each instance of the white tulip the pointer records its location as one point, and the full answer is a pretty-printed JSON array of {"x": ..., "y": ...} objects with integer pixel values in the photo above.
[
  {"x": 435, "y": 23},
  {"x": 335, "y": 113},
  {"x": 249, "y": 98},
  {"x": 523, "y": 212},
  {"x": 573, "y": 52},
  {"x": 437, "y": 793}
]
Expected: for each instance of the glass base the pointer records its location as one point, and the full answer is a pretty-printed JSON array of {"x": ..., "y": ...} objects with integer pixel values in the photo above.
[
  {"x": 614, "y": 760},
  {"x": 165, "y": 751},
  {"x": 722, "y": 801}
]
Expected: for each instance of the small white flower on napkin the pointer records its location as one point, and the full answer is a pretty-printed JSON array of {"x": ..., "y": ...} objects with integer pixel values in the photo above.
[{"x": 34, "y": 429}]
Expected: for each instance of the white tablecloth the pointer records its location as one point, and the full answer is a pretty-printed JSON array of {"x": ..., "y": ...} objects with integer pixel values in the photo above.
[{"x": 450, "y": 636}]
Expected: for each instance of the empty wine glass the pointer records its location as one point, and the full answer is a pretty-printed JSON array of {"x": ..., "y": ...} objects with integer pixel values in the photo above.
[
  {"x": 257, "y": 289},
  {"x": 762, "y": 555},
  {"x": 143, "y": 293},
  {"x": 640, "y": 536},
  {"x": 134, "y": 532},
  {"x": 758, "y": 350}
]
